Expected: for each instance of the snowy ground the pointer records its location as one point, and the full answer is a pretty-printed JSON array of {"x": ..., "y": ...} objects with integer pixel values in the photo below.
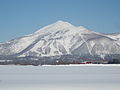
[{"x": 77, "y": 77}]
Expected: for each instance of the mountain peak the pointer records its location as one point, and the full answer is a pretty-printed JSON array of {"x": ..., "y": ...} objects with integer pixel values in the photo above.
[
  {"x": 63, "y": 23},
  {"x": 60, "y": 21},
  {"x": 59, "y": 25}
]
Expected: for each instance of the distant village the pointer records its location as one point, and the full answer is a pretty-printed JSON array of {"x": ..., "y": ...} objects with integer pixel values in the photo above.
[{"x": 57, "y": 60}]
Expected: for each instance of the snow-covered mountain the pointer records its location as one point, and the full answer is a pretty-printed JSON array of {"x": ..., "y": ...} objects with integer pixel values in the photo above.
[{"x": 62, "y": 38}]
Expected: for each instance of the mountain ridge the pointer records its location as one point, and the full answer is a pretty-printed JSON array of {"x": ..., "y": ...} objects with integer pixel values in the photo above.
[{"x": 62, "y": 38}]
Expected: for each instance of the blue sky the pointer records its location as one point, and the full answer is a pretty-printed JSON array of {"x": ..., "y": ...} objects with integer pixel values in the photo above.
[{"x": 22, "y": 17}]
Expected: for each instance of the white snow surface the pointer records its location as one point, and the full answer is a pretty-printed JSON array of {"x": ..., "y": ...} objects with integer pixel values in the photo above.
[{"x": 70, "y": 77}]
